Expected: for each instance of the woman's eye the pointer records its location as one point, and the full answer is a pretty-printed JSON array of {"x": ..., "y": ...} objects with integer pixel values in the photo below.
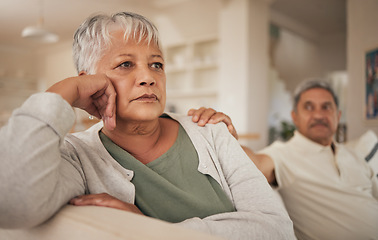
[
  {"x": 126, "y": 64},
  {"x": 157, "y": 65}
]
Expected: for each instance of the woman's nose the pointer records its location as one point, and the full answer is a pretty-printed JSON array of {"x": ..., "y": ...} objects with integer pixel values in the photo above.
[
  {"x": 145, "y": 77},
  {"x": 146, "y": 83}
]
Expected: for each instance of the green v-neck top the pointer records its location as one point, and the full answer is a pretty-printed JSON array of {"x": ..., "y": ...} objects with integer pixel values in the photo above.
[{"x": 171, "y": 188}]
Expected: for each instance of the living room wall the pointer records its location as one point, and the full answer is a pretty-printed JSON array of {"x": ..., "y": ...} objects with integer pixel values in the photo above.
[{"x": 362, "y": 36}]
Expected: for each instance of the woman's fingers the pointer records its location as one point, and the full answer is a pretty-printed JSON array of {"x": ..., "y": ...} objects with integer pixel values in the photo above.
[
  {"x": 103, "y": 96},
  {"x": 103, "y": 200},
  {"x": 105, "y": 103},
  {"x": 109, "y": 116},
  {"x": 93, "y": 93}
]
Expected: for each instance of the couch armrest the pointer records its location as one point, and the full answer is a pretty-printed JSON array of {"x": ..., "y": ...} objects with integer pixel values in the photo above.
[
  {"x": 92, "y": 223},
  {"x": 365, "y": 147}
]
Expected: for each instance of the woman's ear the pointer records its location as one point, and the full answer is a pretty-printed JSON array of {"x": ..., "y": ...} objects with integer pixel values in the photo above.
[{"x": 82, "y": 73}]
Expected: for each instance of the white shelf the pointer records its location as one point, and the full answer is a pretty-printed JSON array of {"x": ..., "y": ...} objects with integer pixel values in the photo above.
[
  {"x": 192, "y": 72},
  {"x": 206, "y": 66},
  {"x": 191, "y": 93}
]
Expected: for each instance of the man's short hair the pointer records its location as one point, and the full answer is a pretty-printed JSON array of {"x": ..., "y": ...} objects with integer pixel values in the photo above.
[{"x": 310, "y": 84}]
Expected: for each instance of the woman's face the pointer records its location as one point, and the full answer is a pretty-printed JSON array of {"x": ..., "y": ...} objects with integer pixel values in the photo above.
[{"x": 137, "y": 73}]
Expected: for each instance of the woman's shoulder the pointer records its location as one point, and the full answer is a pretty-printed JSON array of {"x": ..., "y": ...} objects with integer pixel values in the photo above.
[
  {"x": 87, "y": 138},
  {"x": 187, "y": 122}
]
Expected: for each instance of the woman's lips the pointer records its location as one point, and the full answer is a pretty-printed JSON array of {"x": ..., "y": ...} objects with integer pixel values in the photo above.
[{"x": 146, "y": 98}]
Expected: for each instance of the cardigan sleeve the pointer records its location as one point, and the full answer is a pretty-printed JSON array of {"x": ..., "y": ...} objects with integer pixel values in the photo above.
[
  {"x": 259, "y": 214},
  {"x": 35, "y": 179}
]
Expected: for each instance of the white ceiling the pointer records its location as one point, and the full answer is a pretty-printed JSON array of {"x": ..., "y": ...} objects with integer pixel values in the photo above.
[
  {"x": 321, "y": 16},
  {"x": 63, "y": 16}
]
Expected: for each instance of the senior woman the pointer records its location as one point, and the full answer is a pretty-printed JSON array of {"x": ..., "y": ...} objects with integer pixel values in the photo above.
[{"x": 137, "y": 159}]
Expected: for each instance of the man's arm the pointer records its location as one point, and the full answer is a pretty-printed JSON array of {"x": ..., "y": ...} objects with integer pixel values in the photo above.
[
  {"x": 204, "y": 116},
  {"x": 264, "y": 163}
]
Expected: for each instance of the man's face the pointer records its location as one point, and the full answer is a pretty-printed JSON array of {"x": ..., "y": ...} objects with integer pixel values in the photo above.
[{"x": 317, "y": 115}]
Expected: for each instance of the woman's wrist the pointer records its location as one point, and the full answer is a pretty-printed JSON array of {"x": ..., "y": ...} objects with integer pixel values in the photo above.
[{"x": 67, "y": 89}]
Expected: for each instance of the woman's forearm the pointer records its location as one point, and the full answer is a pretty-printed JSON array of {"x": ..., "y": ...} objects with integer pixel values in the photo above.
[{"x": 31, "y": 162}]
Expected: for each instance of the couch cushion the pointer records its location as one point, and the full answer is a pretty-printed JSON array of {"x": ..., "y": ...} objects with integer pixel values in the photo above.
[
  {"x": 91, "y": 222},
  {"x": 366, "y": 147}
]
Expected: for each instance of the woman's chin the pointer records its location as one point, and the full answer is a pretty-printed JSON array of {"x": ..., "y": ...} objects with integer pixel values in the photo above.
[{"x": 142, "y": 115}]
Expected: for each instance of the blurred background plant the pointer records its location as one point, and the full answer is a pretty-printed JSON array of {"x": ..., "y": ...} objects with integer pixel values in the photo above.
[{"x": 284, "y": 132}]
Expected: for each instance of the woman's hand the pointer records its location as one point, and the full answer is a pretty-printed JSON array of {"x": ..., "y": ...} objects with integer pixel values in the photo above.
[
  {"x": 104, "y": 200},
  {"x": 93, "y": 93},
  {"x": 203, "y": 116}
]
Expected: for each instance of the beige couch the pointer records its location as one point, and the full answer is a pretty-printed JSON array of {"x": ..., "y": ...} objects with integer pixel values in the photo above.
[
  {"x": 102, "y": 223},
  {"x": 365, "y": 147}
]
